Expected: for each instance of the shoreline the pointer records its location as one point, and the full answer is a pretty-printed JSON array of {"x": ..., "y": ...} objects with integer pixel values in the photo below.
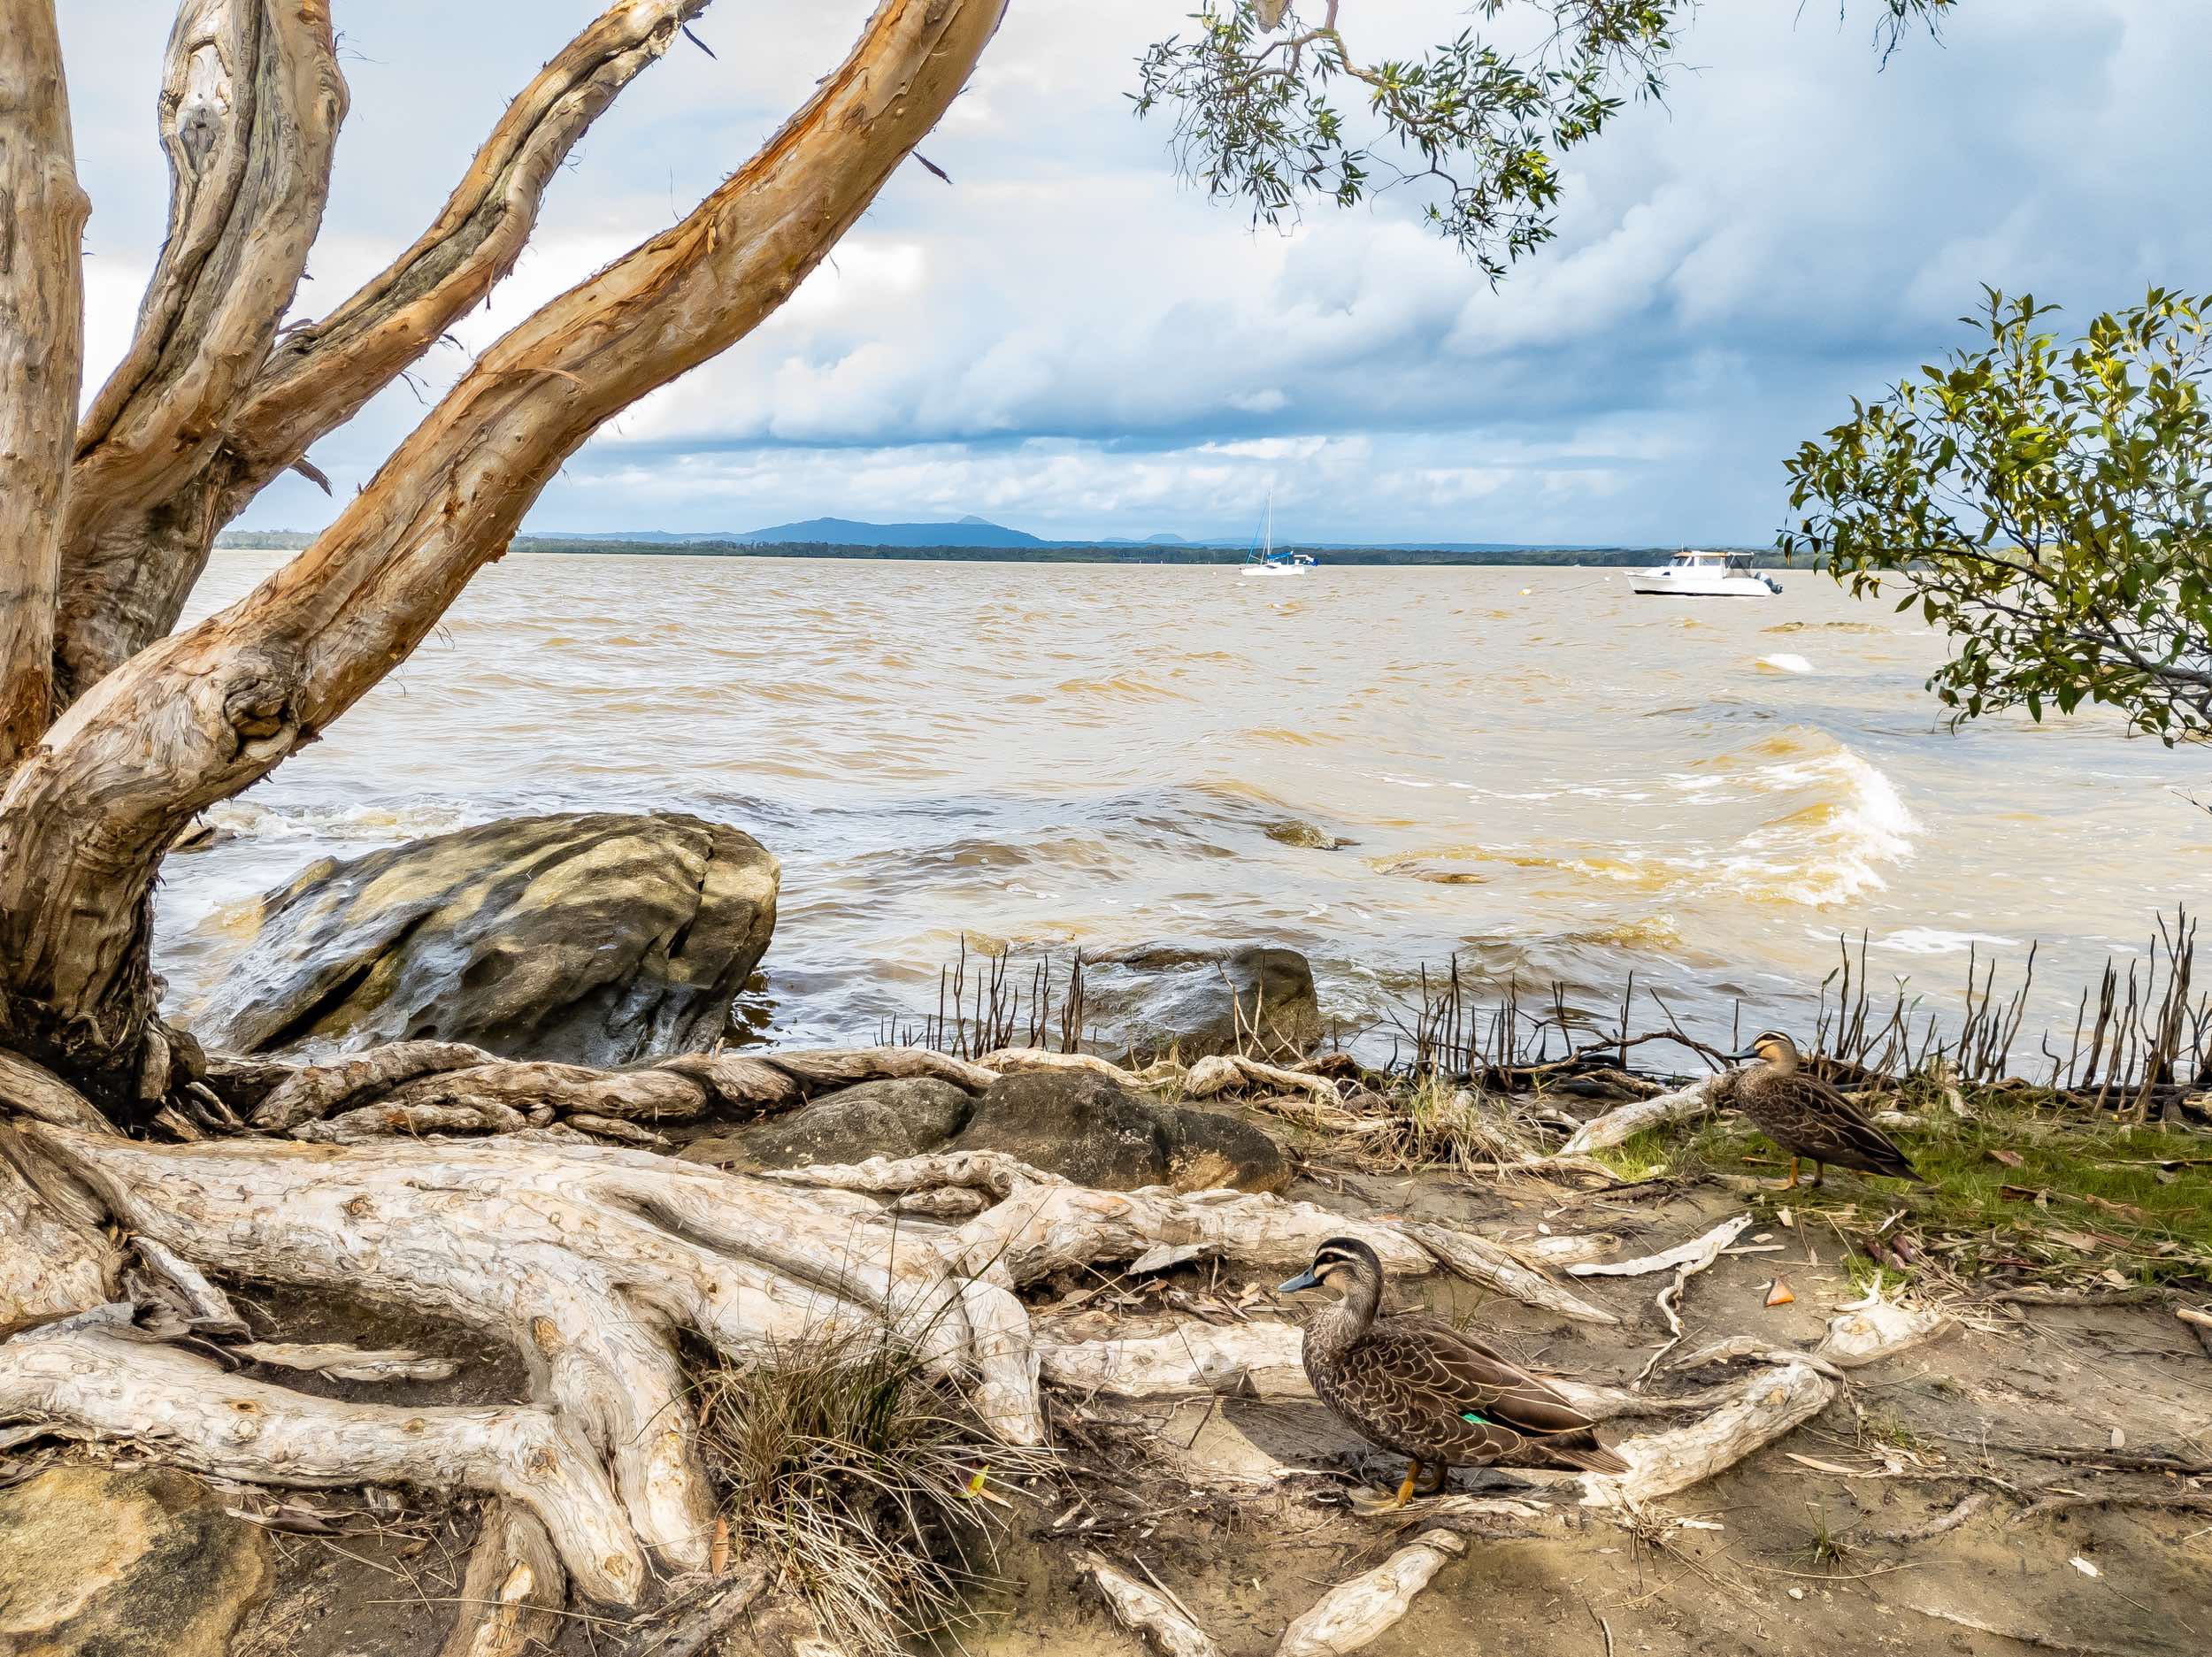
[{"x": 1079, "y": 553}]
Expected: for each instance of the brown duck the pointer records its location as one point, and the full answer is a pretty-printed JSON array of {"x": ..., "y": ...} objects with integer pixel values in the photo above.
[
  {"x": 1415, "y": 1385},
  {"x": 1805, "y": 1116}
]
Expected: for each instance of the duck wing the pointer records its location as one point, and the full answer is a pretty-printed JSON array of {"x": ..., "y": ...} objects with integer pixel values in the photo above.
[
  {"x": 1462, "y": 1374},
  {"x": 1808, "y": 1117}
]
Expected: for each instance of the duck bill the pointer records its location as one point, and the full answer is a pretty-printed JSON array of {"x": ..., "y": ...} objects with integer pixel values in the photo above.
[
  {"x": 1741, "y": 1058},
  {"x": 1303, "y": 1280}
]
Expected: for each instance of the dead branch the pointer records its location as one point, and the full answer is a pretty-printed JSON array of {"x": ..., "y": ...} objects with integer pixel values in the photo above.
[
  {"x": 1357, "y": 1612},
  {"x": 1166, "y": 1625}
]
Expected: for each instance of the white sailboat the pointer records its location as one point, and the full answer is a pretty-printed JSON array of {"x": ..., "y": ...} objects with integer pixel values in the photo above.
[{"x": 1264, "y": 560}]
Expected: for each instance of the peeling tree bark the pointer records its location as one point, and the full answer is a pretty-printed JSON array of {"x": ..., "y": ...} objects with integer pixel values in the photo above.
[
  {"x": 41, "y": 331},
  {"x": 196, "y": 718},
  {"x": 250, "y": 102}
]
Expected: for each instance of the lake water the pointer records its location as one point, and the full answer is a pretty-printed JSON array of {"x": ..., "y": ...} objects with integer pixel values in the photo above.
[{"x": 1533, "y": 770}]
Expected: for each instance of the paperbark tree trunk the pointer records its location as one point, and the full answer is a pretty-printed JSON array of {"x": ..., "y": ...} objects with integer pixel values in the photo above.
[
  {"x": 42, "y": 294},
  {"x": 179, "y": 432}
]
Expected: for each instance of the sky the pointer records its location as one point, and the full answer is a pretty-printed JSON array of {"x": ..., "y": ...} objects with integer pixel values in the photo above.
[{"x": 1069, "y": 340}]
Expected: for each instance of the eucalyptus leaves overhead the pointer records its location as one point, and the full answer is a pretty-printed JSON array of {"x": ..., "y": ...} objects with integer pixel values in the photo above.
[{"x": 1272, "y": 105}]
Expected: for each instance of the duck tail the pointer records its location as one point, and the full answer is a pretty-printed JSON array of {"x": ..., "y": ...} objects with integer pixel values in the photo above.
[{"x": 1588, "y": 1456}]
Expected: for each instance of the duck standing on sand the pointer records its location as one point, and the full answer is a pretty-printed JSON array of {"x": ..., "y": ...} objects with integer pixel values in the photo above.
[
  {"x": 1413, "y": 1383},
  {"x": 1805, "y": 1116}
]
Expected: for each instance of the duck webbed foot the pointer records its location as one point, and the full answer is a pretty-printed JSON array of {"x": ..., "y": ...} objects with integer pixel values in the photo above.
[
  {"x": 1374, "y": 1502},
  {"x": 1791, "y": 1183}
]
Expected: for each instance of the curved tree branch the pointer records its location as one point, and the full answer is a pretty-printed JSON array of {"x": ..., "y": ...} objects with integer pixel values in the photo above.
[
  {"x": 318, "y": 375},
  {"x": 250, "y": 102},
  {"x": 196, "y": 718}
]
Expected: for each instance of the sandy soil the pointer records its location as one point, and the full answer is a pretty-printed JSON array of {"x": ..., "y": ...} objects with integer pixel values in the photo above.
[{"x": 1783, "y": 1557}]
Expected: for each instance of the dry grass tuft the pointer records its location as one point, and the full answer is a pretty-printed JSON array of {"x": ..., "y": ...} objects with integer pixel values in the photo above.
[{"x": 868, "y": 1483}]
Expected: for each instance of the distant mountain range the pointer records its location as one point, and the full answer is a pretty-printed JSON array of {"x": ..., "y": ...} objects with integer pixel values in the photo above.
[
  {"x": 974, "y": 538},
  {"x": 980, "y": 531}
]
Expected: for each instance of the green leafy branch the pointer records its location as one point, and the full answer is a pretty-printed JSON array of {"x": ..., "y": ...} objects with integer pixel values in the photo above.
[
  {"x": 1256, "y": 93},
  {"x": 2047, "y": 501}
]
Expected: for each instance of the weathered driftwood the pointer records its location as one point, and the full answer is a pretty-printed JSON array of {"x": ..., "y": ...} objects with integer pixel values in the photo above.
[
  {"x": 1221, "y": 1073},
  {"x": 342, "y": 1362},
  {"x": 81, "y": 1378},
  {"x": 1697, "y": 1254},
  {"x": 1879, "y": 1326},
  {"x": 1569, "y": 1248},
  {"x": 514, "y": 1593},
  {"x": 1356, "y": 1614},
  {"x": 1011, "y": 1061},
  {"x": 1684, "y": 1104},
  {"x": 1162, "y": 1620},
  {"x": 1495, "y": 1266}
]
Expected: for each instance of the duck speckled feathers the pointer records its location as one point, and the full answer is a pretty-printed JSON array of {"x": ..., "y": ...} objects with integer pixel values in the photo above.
[
  {"x": 1804, "y": 1116},
  {"x": 1413, "y": 1383}
]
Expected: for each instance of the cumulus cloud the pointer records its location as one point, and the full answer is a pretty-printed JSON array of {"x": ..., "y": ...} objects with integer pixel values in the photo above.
[{"x": 1068, "y": 340}]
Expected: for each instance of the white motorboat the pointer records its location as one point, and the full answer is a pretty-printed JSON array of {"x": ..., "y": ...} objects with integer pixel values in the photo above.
[
  {"x": 1707, "y": 575},
  {"x": 1264, "y": 560}
]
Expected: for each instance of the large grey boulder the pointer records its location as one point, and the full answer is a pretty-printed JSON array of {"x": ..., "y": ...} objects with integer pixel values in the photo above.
[
  {"x": 591, "y": 938},
  {"x": 1088, "y": 1128},
  {"x": 905, "y": 1117},
  {"x": 1258, "y": 1000},
  {"x": 94, "y": 1560}
]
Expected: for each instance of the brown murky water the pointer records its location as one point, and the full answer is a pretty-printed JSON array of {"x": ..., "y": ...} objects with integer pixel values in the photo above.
[{"x": 1534, "y": 769}]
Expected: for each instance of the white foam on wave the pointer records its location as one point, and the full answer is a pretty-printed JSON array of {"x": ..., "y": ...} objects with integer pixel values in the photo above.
[
  {"x": 248, "y": 820},
  {"x": 1833, "y": 846},
  {"x": 1782, "y": 662},
  {"x": 1930, "y": 940}
]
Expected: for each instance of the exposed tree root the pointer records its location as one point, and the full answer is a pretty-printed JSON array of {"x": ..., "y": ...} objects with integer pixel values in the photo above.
[
  {"x": 86, "y": 1377},
  {"x": 593, "y": 1262},
  {"x": 514, "y": 1593}
]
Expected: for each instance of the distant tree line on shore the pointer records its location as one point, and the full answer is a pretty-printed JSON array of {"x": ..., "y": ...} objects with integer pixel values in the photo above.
[{"x": 1541, "y": 557}]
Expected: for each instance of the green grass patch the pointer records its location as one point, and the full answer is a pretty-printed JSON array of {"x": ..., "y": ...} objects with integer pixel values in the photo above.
[
  {"x": 1651, "y": 1154},
  {"x": 2018, "y": 1186}
]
